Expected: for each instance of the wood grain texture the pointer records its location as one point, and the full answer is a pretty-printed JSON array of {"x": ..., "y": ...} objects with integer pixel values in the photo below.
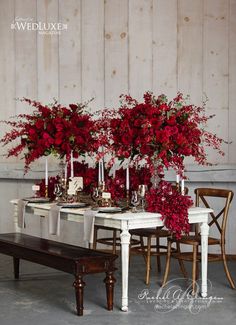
[
  {"x": 93, "y": 52},
  {"x": 25, "y": 55},
  {"x": 112, "y": 47},
  {"x": 165, "y": 47},
  {"x": 47, "y": 53},
  {"x": 70, "y": 85},
  {"x": 190, "y": 48},
  {"x": 116, "y": 51},
  {"x": 140, "y": 47},
  {"x": 232, "y": 81}
]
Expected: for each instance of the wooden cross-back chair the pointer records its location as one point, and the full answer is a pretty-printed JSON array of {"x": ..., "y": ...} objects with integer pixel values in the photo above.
[{"x": 202, "y": 196}]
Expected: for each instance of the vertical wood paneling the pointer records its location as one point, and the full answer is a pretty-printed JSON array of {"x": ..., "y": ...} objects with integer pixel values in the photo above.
[
  {"x": 25, "y": 54},
  {"x": 190, "y": 48},
  {"x": 165, "y": 47},
  {"x": 70, "y": 52},
  {"x": 47, "y": 52},
  {"x": 232, "y": 81},
  {"x": 116, "y": 50},
  {"x": 7, "y": 64},
  {"x": 140, "y": 47},
  {"x": 215, "y": 69},
  {"x": 93, "y": 52}
]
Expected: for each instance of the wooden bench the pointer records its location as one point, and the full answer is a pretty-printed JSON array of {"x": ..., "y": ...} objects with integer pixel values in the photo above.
[{"x": 75, "y": 260}]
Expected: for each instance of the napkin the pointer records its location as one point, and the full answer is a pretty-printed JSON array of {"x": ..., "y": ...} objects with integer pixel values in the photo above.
[
  {"x": 21, "y": 213},
  {"x": 54, "y": 220},
  {"x": 89, "y": 217}
]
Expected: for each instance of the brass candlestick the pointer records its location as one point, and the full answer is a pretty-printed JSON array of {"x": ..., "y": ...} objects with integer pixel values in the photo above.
[{"x": 46, "y": 191}]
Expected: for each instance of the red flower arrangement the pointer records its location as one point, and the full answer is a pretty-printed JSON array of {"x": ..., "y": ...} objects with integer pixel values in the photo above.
[
  {"x": 173, "y": 207},
  {"x": 117, "y": 187},
  {"x": 51, "y": 129},
  {"x": 158, "y": 131}
]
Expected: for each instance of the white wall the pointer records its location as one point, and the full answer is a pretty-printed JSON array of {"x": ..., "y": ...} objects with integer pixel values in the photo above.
[{"x": 120, "y": 46}]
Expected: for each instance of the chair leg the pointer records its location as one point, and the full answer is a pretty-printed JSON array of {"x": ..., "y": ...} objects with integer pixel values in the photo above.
[
  {"x": 194, "y": 269},
  {"x": 229, "y": 277},
  {"x": 143, "y": 250},
  {"x": 158, "y": 254},
  {"x": 95, "y": 234},
  {"x": 181, "y": 263},
  {"x": 167, "y": 268},
  {"x": 148, "y": 264}
]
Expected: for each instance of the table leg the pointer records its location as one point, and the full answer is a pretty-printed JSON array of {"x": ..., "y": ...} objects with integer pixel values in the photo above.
[
  {"x": 125, "y": 241},
  {"x": 204, "y": 256}
]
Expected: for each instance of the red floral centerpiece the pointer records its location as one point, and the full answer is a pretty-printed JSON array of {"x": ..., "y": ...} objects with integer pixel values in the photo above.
[
  {"x": 158, "y": 131},
  {"x": 51, "y": 129}
]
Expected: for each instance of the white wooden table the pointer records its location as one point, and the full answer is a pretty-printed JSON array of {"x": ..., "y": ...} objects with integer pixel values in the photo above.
[{"x": 125, "y": 222}]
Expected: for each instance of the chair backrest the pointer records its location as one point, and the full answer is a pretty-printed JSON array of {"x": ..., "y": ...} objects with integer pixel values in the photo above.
[{"x": 204, "y": 194}]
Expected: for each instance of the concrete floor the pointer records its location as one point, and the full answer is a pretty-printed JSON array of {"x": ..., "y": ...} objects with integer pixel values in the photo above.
[{"x": 45, "y": 296}]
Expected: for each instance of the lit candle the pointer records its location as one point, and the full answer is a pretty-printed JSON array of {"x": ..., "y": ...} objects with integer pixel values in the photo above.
[
  {"x": 71, "y": 165},
  {"x": 127, "y": 178},
  {"x": 46, "y": 171}
]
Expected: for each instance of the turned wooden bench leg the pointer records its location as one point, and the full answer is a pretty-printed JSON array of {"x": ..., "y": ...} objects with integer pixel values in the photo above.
[
  {"x": 110, "y": 282},
  {"x": 79, "y": 285},
  {"x": 16, "y": 263}
]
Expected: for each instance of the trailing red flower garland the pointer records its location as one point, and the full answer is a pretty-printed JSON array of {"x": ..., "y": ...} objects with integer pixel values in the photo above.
[{"x": 173, "y": 207}]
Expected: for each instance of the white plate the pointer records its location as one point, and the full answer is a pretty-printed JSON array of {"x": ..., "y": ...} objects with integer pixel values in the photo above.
[
  {"x": 37, "y": 199},
  {"x": 109, "y": 209},
  {"x": 72, "y": 205}
]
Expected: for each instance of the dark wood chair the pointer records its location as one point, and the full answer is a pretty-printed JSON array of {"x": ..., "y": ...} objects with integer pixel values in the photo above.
[
  {"x": 113, "y": 240},
  {"x": 150, "y": 249},
  {"x": 219, "y": 220}
]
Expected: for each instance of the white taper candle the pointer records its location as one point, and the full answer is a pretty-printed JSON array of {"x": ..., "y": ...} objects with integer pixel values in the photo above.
[
  {"x": 99, "y": 172},
  {"x": 182, "y": 186},
  {"x": 46, "y": 171},
  {"x": 127, "y": 178},
  {"x": 71, "y": 165}
]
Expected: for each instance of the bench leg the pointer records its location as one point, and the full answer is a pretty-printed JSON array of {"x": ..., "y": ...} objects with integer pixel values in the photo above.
[
  {"x": 16, "y": 263},
  {"x": 79, "y": 285},
  {"x": 110, "y": 281}
]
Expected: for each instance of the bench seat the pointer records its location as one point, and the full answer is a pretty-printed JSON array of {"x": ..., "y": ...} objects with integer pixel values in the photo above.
[{"x": 75, "y": 260}]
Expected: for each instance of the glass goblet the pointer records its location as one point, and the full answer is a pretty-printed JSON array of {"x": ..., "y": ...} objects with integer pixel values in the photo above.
[
  {"x": 134, "y": 201},
  {"x": 142, "y": 190}
]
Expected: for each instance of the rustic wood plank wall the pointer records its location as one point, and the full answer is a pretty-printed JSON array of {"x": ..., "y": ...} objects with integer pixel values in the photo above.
[{"x": 119, "y": 46}]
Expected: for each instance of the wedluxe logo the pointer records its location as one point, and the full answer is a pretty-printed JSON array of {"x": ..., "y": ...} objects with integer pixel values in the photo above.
[{"x": 43, "y": 28}]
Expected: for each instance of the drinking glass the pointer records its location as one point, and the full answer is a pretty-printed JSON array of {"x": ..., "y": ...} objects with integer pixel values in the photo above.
[
  {"x": 142, "y": 190},
  {"x": 134, "y": 201}
]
